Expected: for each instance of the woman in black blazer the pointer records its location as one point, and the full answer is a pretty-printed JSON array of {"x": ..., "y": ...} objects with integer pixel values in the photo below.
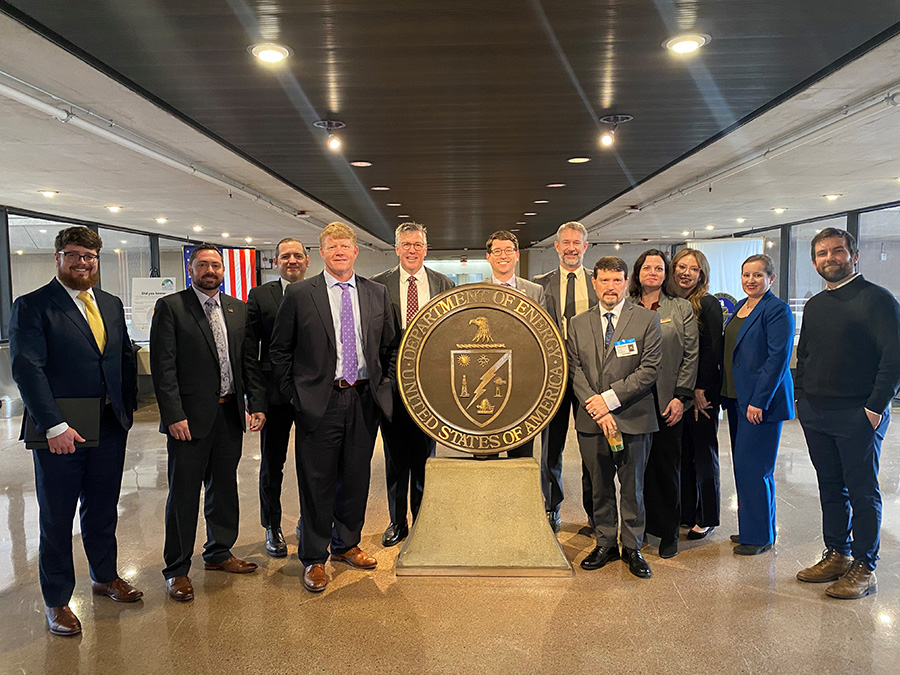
[{"x": 700, "y": 493}]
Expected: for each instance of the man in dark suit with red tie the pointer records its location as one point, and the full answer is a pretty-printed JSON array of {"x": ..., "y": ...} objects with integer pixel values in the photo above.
[
  {"x": 406, "y": 447},
  {"x": 291, "y": 261},
  {"x": 331, "y": 350},
  {"x": 67, "y": 340},
  {"x": 202, "y": 369}
]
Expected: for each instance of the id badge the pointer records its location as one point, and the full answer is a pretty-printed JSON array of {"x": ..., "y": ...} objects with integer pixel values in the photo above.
[{"x": 626, "y": 347}]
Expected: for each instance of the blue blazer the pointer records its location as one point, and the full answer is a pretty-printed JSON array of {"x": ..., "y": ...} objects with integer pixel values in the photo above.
[
  {"x": 762, "y": 357},
  {"x": 54, "y": 355}
]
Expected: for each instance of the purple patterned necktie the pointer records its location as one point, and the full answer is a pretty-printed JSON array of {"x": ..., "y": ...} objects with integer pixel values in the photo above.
[{"x": 348, "y": 336}]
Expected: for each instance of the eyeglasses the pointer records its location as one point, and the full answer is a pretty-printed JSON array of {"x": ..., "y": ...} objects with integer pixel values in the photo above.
[
  {"x": 409, "y": 245},
  {"x": 503, "y": 251},
  {"x": 73, "y": 257},
  {"x": 684, "y": 268}
]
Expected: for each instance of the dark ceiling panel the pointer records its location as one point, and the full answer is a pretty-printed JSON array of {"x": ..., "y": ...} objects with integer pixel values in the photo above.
[{"x": 466, "y": 108}]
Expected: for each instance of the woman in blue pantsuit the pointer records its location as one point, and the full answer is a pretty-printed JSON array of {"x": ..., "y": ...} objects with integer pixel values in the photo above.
[{"x": 758, "y": 395}]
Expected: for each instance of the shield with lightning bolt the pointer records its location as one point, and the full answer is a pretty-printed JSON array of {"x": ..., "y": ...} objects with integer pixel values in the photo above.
[{"x": 482, "y": 380}]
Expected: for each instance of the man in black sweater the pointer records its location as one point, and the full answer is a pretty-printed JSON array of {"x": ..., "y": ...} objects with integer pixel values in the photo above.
[{"x": 848, "y": 370}]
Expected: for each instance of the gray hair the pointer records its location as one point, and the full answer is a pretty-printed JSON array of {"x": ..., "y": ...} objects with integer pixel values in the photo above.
[
  {"x": 403, "y": 228},
  {"x": 572, "y": 225}
]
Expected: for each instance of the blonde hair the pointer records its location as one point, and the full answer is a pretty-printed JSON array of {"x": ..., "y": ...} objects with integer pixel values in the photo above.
[{"x": 337, "y": 230}]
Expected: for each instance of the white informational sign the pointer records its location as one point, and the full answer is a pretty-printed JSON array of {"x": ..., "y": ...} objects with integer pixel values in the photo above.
[
  {"x": 144, "y": 294},
  {"x": 725, "y": 257}
]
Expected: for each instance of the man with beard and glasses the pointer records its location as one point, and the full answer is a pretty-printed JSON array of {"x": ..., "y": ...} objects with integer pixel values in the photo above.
[
  {"x": 202, "y": 368},
  {"x": 291, "y": 261},
  {"x": 848, "y": 370},
  {"x": 67, "y": 340}
]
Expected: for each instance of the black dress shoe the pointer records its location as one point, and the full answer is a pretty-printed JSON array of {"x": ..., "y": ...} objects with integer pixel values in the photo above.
[
  {"x": 693, "y": 534},
  {"x": 599, "y": 557},
  {"x": 636, "y": 563},
  {"x": 394, "y": 534},
  {"x": 275, "y": 545},
  {"x": 735, "y": 538},
  {"x": 750, "y": 549},
  {"x": 668, "y": 548},
  {"x": 554, "y": 520}
]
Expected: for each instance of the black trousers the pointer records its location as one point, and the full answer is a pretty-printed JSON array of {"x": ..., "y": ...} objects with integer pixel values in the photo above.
[
  {"x": 553, "y": 442},
  {"x": 212, "y": 463},
  {"x": 662, "y": 481},
  {"x": 273, "y": 440},
  {"x": 333, "y": 470},
  {"x": 92, "y": 476},
  {"x": 700, "y": 490},
  {"x": 406, "y": 449}
]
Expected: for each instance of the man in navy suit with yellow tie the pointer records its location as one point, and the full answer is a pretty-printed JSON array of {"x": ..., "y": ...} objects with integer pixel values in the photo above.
[{"x": 67, "y": 340}]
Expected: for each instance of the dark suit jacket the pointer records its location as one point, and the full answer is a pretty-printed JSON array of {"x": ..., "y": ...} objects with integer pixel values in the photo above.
[
  {"x": 185, "y": 364},
  {"x": 709, "y": 359},
  {"x": 437, "y": 284},
  {"x": 304, "y": 352},
  {"x": 54, "y": 355},
  {"x": 762, "y": 358},
  {"x": 550, "y": 284},
  {"x": 262, "y": 306},
  {"x": 594, "y": 370}
]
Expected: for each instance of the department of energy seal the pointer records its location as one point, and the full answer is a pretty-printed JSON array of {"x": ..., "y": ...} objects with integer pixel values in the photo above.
[{"x": 482, "y": 368}]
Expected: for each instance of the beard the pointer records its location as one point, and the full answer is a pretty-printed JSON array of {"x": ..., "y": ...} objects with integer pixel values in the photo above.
[
  {"x": 77, "y": 282},
  {"x": 208, "y": 282},
  {"x": 836, "y": 273}
]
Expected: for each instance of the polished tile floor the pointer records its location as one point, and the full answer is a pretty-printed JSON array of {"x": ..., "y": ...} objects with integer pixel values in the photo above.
[{"x": 704, "y": 611}]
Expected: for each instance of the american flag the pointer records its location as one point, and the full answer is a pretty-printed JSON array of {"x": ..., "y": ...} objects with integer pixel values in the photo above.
[{"x": 240, "y": 270}]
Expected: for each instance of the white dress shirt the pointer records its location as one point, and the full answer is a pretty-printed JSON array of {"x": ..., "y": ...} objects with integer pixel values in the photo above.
[
  {"x": 609, "y": 396},
  {"x": 422, "y": 289},
  {"x": 334, "y": 301}
]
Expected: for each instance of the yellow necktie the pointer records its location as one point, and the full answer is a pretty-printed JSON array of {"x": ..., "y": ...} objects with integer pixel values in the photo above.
[{"x": 94, "y": 319}]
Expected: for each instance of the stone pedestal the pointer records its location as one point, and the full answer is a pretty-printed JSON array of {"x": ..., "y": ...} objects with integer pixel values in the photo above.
[{"x": 482, "y": 518}]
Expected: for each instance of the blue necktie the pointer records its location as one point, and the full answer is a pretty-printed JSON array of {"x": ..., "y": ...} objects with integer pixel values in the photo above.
[
  {"x": 348, "y": 336},
  {"x": 610, "y": 329}
]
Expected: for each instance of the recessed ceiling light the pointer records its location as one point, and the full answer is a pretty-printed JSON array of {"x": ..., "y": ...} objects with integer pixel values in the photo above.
[
  {"x": 521, "y": 222},
  {"x": 43, "y": 231},
  {"x": 124, "y": 241},
  {"x": 633, "y": 209},
  {"x": 770, "y": 243},
  {"x": 162, "y": 221},
  {"x": 618, "y": 246},
  {"x": 269, "y": 52},
  {"x": 403, "y": 215},
  {"x": 779, "y": 210},
  {"x": 578, "y": 160},
  {"x": 541, "y": 201},
  {"x": 334, "y": 143},
  {"x": 686, "y": 44},
  {"x": 380, "y": 188},
  {"x": 529, "y": 213},
  {"x": 607, "y": 139},
  {"x": 117, "y": 250},
  {"x": 741, "y": 220},
  {"x": 685, "y": 234},
  {"x": 225, "y": 235},
  {"x": 267, "y": 242},
  {"x": 832, "y": 197},
  {"x": 514, "y": 229},
  {"x": 393, "y": 204},
  {"x": 113, "y": 209},
  {"x": 20, "y": 252},
  {"x": 197, "y": 228},
  {"x": 710, "y": 227},
  {"x": 49, "y": 194},
  {"x": 360, "y": 163},
  {"x": 556, "y": 185},
  {"x": 248, "y": 239}
]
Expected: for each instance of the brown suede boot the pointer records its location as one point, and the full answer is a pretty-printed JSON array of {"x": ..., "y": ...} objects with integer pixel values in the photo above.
[{"x": 831, "y": 567}]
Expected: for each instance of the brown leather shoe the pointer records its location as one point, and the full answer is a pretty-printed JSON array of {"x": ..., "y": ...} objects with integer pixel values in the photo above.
[
  {"x": 314, "y": 578},
  {"x": 118, "y": 589},
  {"x": 355, "y": 558},
  {"x": 233, "y": 565},
  {"x": 62, "y": 621},
  {"x": 179, "y": 588},
  {"x": 858, "y": 582},
  {"x": 831, "y": 567}
]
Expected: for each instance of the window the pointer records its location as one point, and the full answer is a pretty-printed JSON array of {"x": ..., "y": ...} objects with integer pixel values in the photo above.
[
  {"x": 32, "y": 263},
  {"x": 879, "y": 247},
  {"x": 805, "y": 281},
  {"x": 124, "y": 256}
]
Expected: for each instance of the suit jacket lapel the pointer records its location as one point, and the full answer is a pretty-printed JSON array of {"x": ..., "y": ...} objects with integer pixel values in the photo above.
[
  {"x": 362, "y": 295},
  {"x": 320, "y": 300},
  {"x": 199, "y": 314},
  {"x": 231, "y": 330},
  {"x": 621, "y": 324},
  {"x": 277, "y": 292},
  {"x": 751, "y": 319},
  {"x": 107, "y": 310},
  {"x": 591, "y": 294},
  {"x": 553, "y": 289},
  {"x": 68, "y": 307}
]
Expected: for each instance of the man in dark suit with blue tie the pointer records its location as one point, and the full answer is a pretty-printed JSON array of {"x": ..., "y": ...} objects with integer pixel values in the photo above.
[
  {"x": 331, "y": 351},
  {"x": 68, "y": 340},
  {"x": 291, "y": 261}
]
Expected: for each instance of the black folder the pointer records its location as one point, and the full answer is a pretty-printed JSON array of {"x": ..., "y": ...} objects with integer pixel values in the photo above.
[{"x": 82, "y": 414}]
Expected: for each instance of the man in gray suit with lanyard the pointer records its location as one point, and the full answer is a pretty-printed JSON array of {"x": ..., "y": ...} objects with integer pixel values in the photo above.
[
  {"x": 569, "y": 285},
  {"x": 503, "y": 255},
  {"x": 614, "y": 352},
  {"x": 406, "y": 447}
]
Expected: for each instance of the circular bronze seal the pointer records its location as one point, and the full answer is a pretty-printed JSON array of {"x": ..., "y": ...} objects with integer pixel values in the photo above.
[{"x": 482, "y": 368}]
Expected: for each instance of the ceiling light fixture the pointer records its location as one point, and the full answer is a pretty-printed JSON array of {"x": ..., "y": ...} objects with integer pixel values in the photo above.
[
  {"x": 360, "y": 163},
  {"x": 334, "y": 143},
  {"x": 42, "y": 231},
  {"x": 710, "y": 227},
  {"x": 49, "y": 194},
  {"x": 124, "y": 241},
  {"x": 779, "y": 210},
  {"x": 20, "y": 252},
  {"x": 541, "y": 201},
  {"x": 529, "y": 213},
  {"x": 741, "y": 220},
  {"x": 521, "y": 222},
  {"x": 269, "y": 52},
  {"x": 404, "y": 215},
  {"x": 162, "y": 221},
  {"x": 113, "y": 209},
  {"x": 618, "y": 246},
  {"x": 632, "y": 209},
  {"x": 556, "y": 185},
  {"x": 248, "y": 239},
  {"x": 685, "y": 234},
  {"x": 393, "y": 204},
  {"x": 578, "y": 160},
  {"x": 380, "y": 188},
  {"x": 225, "y": 235},
  {"x": 608, "y": 137},
  {"x": 197, "y": 228},
  {"x": 832, "y": 197},
  {"x": 687, "y": 44}
]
